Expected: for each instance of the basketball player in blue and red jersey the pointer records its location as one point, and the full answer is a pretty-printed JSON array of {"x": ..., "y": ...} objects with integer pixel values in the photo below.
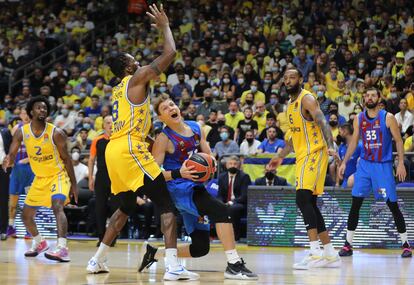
[
  {"x": 374, "y": 173},
  {"x": 178, "y": 140}
]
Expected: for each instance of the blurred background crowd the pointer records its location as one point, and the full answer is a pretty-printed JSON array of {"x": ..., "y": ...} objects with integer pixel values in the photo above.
[{"x": 228, "y": 72}]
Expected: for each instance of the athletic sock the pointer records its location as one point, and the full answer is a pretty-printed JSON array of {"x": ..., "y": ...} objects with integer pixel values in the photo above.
[
  {"x": 328, "y": 250},
  {"x": 160, "y": 253},
  {"x": 11, "y": 222},
  {"x": 315, "y": 247},
  {"x": 62, "y": 242},
  {"x": 100, "y": 255},
  {"x": 38, "y": 238},
  {"x": 171, "y": 258},
  {"x": 404, "y": 238},
  {"x": 350, "y": 236},
  {"x": 232, "y": 256}
]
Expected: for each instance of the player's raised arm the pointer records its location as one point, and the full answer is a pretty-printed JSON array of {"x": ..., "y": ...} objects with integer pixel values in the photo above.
[
  {"x": 60, "y": 138},
  {"x": 351, "y": 148},
  {"x": 395, "y": 131},
  {"x": 312, "y": 107},
  {"x": 14, "y": 147},
  {"x": 161, "y": 63}
]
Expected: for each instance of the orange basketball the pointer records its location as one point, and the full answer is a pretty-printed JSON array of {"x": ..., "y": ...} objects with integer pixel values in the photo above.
[{"x": 204, "y": 165}]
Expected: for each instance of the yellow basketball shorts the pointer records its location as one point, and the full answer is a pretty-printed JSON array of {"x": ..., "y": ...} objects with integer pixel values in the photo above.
[
  {"x": 128, "y": 161},
  {"x": 44, "y": 189},
  {"x": 311, "y": 171}
]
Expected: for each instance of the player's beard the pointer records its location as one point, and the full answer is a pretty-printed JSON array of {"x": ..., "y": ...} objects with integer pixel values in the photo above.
[
  {"x": 292, "y": 91},
  {"x": 371, "y": 105}
]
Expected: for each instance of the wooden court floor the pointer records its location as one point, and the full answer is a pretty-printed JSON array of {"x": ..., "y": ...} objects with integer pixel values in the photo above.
[{"x": 272, "y": 264}]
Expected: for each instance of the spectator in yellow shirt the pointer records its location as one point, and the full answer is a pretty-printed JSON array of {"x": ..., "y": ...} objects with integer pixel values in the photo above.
[
  {"x": 332, "y": 78},
  {"x": 257, "y": 95},
  {"x": 260, "y": 115},
  {"x": 85, "y": 99},
  {"x": 81, "y": 57},
  {"x": 69, "y": 97},
  {"x": 99, "y": 88},
  {"x": 234, "y": 116}
]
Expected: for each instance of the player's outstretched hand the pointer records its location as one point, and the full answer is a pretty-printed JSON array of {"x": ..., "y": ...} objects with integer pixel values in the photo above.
[
  {"x": 158, "y": 16},
  {"x": 401, "y": 173},
  {"x": 74, "y": 192},
  {"x": 274, "y": 163},
  {"x": 6, "y": 162},
  {"x": 188, "y": 172}
]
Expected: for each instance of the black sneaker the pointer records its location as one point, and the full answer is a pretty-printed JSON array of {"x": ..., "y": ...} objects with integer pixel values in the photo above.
[
  {"x": 149, "y": 257},
  {"x": 407, "y": 253},
  {"x": 238, "y": 271},
  {"x": 346, "y": 250}
]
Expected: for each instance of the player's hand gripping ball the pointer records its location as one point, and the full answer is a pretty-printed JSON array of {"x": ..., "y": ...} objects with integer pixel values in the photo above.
[{"x": 204, "y": 166}]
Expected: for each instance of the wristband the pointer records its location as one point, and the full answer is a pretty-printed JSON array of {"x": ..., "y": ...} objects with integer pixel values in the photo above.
[{"x": 176, "y": 174}]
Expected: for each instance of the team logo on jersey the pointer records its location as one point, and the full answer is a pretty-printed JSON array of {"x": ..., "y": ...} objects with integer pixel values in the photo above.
[
  {"x": 377, "y": 124},
  {"x": 364, "y": 123},
  {"x": 46, "y": 137},
  {"x": 27, "y": 136}
]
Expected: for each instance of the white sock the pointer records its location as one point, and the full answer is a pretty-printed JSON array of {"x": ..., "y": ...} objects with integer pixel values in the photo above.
[
  {"x": 232, "y": 256},
  {"x": 11, "y": 222},
  {"x": 171, "y": 257},
  {"x": 100, "y": 255},
  {"x": 350, "y": 236},
  {"x": 61, "y": 242},
  {"x": 315, "y": 247},
  {"x": 328, "y": 250},
  {"x": 38, "y": 239},
  {"x": 160, "y": 253},
  {"x": 404, "y": 237}
]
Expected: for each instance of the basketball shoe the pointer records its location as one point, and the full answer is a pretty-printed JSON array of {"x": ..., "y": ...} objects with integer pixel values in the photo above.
[
  {"x": 37, "y": 248},
  {"x": 95, "y": 266},
  {"x": 60, "y": 254}
]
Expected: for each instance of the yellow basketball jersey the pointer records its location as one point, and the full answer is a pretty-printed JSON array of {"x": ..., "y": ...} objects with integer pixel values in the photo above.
[
  {"x": 307, "y": 137},
  {"x": 43, "y": 154},
  {"x": 129, "y": 120}
]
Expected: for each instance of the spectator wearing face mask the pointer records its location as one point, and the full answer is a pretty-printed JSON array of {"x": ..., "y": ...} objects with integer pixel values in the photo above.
[
  {"x": 201, "y": 86},
  {"x": 69, "y": 96},
  {"x": 95, "y": 109},
  {"x": 81, "y": 170},
  {"x": 226, "y": 145},
  {"x": 346, "y": 106},
  {"x": 270, "y": 179},
  {"x": 178, "y": 88},
  {"x": 322, "y": 100},
  {"x": 234, "y": 116},
  {"x": 271, "y": 144},
  {"x": 254, "y": 89},
  {"x": 393, "y": 103},
  {"x": 84, "y": 84},
  {"x": 65, "y": 120},
  {"x": 208, "y": 104},
  {"x": 99, "y": 88},
  {"x": 215, "y": 121},
  {"x": 250, "y": 144},
  {"x": 86, "y": 100},
  {"x": 334, "y": 108},
  {"x": 332, "y": 79},
  {"x": 241, "y": 86},
  {"x": 248, "y": 124},
  {"x": 333, "y": 122}
]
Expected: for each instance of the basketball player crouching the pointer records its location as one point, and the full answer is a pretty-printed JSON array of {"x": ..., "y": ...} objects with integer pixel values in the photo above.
[{"x": 178, "y": 140}]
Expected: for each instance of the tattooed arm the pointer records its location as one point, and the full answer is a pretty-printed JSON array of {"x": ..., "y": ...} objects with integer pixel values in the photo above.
[{"x": 311, "y": 107}]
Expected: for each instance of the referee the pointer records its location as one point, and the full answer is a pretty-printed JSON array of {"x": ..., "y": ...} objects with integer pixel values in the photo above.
[{"x": 104, "y": 200}]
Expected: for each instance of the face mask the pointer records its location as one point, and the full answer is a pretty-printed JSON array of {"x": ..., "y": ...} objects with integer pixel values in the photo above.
[
  {"x": 250, "y": 140},
  {"x": 253, "y": 88},
  {"x": 233, "y": 170},
  {"x": 333, "y": 123},
  {"x": 275, "y": 69},
  {"x": 393, "y": 95},
  {"x": 98, "y": 45},
  {"x": 76, "y": 106},
  {"x": 240, "y": 81},
  {"x": 390, "y": 26},
  {"x": 215, "y": 47},
  {"x": 226, "y": 81},
  {"x": 83, "y": 80},
  {"x": 216, "y": 93},
  {"x": 372, "y": 27},
  {"x": 220, "y": 123},
  {"x": 208, "y": 99},
  {"x": 249, "y": 102},
  {"x": 222, "y": 52},
  {"x": 275, "y": 91},
  {"x": 75, "y": 156},
  {"x": 315, "y": 88},
  {"x": 273, "y": 101},
  {"x": 347, "y": 98},
  {"x": 352, "y": 77},
  {"x": 162, "y": 89},
  {"x": 377, "y": 72},
  {"x": 82, "y": 95},
  {"x": 333, "y": 76},
  {"x": 202, "y": 54},
  {"x": 358, "y": 111},
  {"x": 269, "y": 175},
  {"x": 65, "y": 112},
  {"x": 361, "y": 65},
  {"x": 261, "y": 50},
  {"x": 202, "y": 79},
  {"x": 267, "y": 81},
  {"x": 349, "y": 42},
  {"x": 320, "y": 94},
  {"x": 224, "y": 136},
  {"x": 276, "y": 54},
  {"x": 68, "y": 92}
]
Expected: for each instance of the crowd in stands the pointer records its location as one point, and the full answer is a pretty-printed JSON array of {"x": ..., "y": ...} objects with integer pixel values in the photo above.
[{"x": 228, "y": 72}]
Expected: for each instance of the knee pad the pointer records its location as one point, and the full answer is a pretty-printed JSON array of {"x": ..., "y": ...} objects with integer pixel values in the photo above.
[
  {"x": 128, "y": 202},
  {"x": 200, "y": 243},
  {"x": 220, "y": 214}
]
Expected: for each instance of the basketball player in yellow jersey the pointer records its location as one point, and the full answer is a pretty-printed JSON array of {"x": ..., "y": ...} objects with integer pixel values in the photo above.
[
  {"x": 54, "y": 175},
  {"x": 131, "y": 167},
  {"x": 311, "y": 139}
]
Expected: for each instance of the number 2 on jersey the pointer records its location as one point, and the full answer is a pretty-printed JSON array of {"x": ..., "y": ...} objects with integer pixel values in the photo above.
[
  {"x": 39, "y": 150},
  {"x": 115, "y": 111}
]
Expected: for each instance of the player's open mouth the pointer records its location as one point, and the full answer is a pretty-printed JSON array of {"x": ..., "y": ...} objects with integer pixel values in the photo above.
[{"x": 174, "y": 115}]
